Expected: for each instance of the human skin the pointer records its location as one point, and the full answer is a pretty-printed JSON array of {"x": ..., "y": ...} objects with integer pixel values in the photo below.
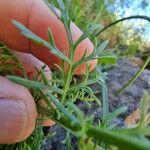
[{"x": 19, "y": 122}]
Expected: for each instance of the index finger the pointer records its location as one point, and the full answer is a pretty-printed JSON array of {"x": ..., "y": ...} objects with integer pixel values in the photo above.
[{"x": 36, "y": 16}]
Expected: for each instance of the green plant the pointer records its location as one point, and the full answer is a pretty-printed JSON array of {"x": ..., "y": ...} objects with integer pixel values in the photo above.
[{"x": 64, "y": 90}]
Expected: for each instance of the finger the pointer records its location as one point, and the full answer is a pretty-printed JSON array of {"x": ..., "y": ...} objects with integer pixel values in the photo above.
[
  {"x": 18, "y": 115},
  {"x": 18, "y": 10},
  {"x": 17, "y": 112},
  {"x": 32, "y": 65},
  {"x": 35, "y": 15}
]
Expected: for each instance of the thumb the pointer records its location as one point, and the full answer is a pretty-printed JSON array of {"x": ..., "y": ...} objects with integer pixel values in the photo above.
[{"x": 17, "y": 112}]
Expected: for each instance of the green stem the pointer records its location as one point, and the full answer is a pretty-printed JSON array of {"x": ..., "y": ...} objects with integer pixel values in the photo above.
[
  {"x": 108, "y": 136},
  {"x": 102, "y": 134},
  {"x": 69, "y": 75},
  {"x": 123, "y": 141},
  {"x": 123, "y": 19},
  {"x": 67, "y": 84},
  {"x": 134, "y": 78}
]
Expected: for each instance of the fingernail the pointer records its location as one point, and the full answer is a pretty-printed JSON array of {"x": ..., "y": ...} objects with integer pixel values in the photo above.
[{"x": 13, "y": 120}]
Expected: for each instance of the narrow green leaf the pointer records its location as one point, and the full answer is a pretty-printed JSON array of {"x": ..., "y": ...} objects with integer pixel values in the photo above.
[
  {"x": 105, "y": 101},
  {"x": 27, "y": 33},
  {"x": 51, "y": 38},
  {"x": 83, "y": 61},
  {"x": 63, "y": 109},
  {"x": 101, "y": 48},
  {"x": 83, "y": 84},
  {"x": 33, "y": 84},
  {"x": 107, "y": 59},
  {"x": 113, "y": 115},
  {"x": 87, "y": 33},
  {"x": 79, "y": 113},
  {"x": 61, "y": 4},
  {"x": 92, "y": 56},
  {"x": 52, "y": 8},
  {"x": 144, "y": 106}
]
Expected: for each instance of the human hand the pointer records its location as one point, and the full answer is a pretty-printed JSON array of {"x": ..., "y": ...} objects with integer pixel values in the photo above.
[{"x": 17, "y": 108}]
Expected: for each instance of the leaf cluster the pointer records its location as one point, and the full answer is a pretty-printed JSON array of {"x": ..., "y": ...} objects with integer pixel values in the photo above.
[{"x": 64, "y": 90}]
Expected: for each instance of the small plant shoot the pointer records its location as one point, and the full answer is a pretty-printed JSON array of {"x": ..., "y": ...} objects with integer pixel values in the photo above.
[{"x": 65, "y": 90}]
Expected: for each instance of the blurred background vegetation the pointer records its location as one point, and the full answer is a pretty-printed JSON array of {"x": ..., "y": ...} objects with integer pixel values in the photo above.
[{"x": 129, "y": 38}]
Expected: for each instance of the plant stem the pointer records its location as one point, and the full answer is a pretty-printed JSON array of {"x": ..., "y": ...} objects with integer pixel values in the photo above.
[
  {"x": 123, "y": 141},
  {"x": 108, "y": 136},
  {"x": 134, "y": 78},
  {"x": 69, "y": 74},
  {"x": 67, "y": 84},
  {"x": 123, "y": 19},
  {"x": 102, "y": 134}
]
